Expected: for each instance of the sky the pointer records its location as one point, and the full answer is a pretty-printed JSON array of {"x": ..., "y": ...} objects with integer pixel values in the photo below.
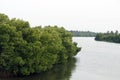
[{"x": 82, "y": 15}]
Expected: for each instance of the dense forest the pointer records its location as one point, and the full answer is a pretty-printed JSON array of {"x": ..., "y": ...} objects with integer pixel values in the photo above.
[
  {"x": 109, "y": 36},
  {"x": 25, "y": 50},
  {"x": 83, "y": 33}
]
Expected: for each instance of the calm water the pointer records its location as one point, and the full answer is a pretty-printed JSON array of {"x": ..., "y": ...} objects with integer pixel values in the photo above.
[{"x": 96, "y": 61}]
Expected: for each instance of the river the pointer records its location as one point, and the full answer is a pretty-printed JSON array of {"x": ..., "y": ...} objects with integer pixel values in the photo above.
[{"x": 96, "y": 61}]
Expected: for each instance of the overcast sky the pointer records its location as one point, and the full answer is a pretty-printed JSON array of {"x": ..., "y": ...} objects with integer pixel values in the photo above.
[{"x": 83, "y": 15}]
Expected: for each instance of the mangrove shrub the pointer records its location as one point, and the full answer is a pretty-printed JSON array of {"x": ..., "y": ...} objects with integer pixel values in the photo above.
[{"x": 25, "y": 50}]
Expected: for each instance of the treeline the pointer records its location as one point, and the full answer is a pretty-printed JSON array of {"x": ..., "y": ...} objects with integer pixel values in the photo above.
[
  {"x": 25, "y": 50},
  {"x": 109, "y": 36},
  {"x": 83, "y": 34}
]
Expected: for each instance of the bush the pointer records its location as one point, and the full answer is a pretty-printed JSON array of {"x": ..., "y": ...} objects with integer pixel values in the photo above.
[{"x": 25, "y": 50}]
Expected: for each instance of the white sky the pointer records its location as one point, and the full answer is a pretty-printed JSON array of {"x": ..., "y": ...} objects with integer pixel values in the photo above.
[{"x": 92, "y": 15}]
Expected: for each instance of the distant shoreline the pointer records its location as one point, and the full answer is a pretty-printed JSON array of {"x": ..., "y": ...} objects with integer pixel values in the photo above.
[{"x": 83, "y": 33}]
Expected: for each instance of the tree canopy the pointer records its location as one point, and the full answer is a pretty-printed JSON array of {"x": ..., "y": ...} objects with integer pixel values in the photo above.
[
  {"x": 83, "y": 33},
  {"x": 25, "y": 50},
  {"x": 109, "y": 36}
]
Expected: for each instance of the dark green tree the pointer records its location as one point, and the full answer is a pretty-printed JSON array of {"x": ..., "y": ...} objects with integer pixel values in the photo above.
[
  {"x": 110, "y": 37},
  {"x": 25, "y": 50}
]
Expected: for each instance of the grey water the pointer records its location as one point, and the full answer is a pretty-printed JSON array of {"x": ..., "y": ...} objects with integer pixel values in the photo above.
[{"x": 96, "y": 61}]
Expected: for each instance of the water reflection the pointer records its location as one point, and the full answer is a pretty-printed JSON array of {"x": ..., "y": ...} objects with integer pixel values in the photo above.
[{"x": 59, "y": 72}]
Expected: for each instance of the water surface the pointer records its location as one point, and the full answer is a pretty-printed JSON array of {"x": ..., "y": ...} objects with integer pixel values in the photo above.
[{"x": 97, "y": 60}]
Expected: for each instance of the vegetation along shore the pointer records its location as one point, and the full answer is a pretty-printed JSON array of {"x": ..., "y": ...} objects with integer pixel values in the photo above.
[{"x": 25, "y": 50}]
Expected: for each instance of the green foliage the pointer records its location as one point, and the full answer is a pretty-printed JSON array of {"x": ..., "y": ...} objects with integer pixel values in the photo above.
[
  {"x": 25, "y": 50},
  {"x": 3, "y": 18},
  {"x": 109, "y": 36},
  {"x": 19, "y": 24},
  {"x": 83, "y": 33}
]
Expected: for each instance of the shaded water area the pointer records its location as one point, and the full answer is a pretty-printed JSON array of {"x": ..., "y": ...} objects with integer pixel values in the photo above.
[
  {"x": 96, "y": 61},
  {"x": 58, "y": 72}
]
